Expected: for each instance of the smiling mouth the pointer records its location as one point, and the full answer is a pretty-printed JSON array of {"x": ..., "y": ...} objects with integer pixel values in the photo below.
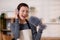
[{"x": 24, "y": 16}]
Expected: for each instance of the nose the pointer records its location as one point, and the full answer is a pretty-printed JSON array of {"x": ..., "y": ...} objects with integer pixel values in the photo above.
[{"x": 25, "y": 13}]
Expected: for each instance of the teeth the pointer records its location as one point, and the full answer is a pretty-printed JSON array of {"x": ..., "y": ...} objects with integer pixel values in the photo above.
[{"x": 23, "y": 16}]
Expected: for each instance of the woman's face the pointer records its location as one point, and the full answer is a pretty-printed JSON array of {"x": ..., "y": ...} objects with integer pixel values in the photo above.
[{"x": 23, "y": 12}]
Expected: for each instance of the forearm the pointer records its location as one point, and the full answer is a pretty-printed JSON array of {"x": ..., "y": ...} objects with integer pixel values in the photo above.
[
  {"x": 15, "y": 30},
  {"x": 39, "y": 33}
]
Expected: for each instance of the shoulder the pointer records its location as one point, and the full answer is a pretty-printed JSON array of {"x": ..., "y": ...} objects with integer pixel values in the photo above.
[
  {"x": 15, "y": 23},
  {"x": 31, "y": 25}
]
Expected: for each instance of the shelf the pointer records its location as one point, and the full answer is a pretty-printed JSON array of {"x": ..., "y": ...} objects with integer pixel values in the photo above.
[{"x": 5, "y": 30}]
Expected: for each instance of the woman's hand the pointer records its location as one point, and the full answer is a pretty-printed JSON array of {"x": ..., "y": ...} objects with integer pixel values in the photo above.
[{"x": 16, "y": 13}]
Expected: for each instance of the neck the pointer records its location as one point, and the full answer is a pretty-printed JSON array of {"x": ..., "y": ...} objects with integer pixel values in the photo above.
[{"x": 22, "y": 21}]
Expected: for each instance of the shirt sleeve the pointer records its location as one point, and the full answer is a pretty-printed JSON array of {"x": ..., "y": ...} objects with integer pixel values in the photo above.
[
  {"x": 39, "y": 33},
  {"x": 15, "y": 30}
]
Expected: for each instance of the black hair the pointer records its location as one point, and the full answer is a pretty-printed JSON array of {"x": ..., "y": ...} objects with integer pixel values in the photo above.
[{"x": 22, "y": 4}]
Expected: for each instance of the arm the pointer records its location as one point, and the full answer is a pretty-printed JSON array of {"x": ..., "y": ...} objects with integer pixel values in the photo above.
[
  {"x": 35, "y": 22},
  {"x": 39, "y": 33},
  {"x": 15, "y": 30},
  {"x": 12, "y": 31}
]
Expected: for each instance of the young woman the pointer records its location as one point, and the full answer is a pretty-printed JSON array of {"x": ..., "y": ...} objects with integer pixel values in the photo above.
[{"x": 21, "y": 23}]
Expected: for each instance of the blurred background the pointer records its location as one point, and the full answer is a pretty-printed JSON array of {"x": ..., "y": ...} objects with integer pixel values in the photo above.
[{"x": 47, "y": 10}]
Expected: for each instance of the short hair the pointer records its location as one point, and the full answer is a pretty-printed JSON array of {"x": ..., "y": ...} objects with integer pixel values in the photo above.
[{"x": 22, "y": 4}]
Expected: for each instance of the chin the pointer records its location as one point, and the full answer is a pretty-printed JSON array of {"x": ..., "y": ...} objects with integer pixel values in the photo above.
[{"x": 23, "y": 19}]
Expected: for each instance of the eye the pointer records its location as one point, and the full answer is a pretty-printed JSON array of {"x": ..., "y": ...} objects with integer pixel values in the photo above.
[
  {"x": 27, "y": 11},
  {"x": 23, "y": 10}
]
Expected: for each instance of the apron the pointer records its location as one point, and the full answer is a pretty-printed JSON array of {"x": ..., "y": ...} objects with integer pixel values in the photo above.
[{"x": 26, "y": 34}]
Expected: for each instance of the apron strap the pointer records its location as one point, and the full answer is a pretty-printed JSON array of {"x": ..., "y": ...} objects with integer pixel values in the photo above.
[{"x": 28, "y": 24}]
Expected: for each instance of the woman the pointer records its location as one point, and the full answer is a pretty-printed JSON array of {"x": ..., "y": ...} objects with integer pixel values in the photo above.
[{"x": 22, "y": 23}]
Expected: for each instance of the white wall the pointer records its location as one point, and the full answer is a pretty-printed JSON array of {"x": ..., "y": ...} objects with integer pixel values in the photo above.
[
  {"x": 46, "y": 9},
  {"x": 52, "y": 30}
]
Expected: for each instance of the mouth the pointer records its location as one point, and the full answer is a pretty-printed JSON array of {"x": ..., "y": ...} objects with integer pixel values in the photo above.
[{"x": 23, "y": 16}]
